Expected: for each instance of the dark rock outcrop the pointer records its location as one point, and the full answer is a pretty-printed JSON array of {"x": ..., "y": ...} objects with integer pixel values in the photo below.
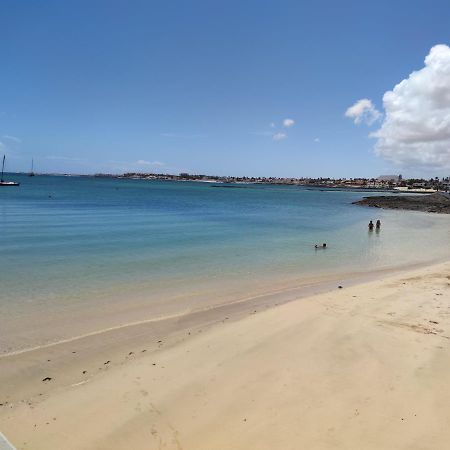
[{"x": 438, "y": 202}]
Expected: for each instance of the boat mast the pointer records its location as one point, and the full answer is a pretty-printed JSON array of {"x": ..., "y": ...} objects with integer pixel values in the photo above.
[{"x": 3, "y": 167}]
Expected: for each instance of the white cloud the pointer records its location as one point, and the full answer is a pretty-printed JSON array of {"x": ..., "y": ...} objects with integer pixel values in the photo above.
[
  {"x": 316, "y": 140},
  {"x": 143, "y": 162},
  {"x": 288, "y": 123},
  {"x": 279, "y": 136},
  {"x": 416, "y": 127},
  {"x": 278, "y": 133},
  {"x": 363, "y": 111},
  {"x": 140, "y": 165},
  {"x": 12, "y": 138}
]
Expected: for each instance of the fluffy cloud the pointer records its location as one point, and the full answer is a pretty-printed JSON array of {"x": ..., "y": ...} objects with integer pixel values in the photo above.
[
  {"x": 278, "y": 132},
  {"x": 416, "y": 127},
  {"x": 363, "y": 111},
  {"x": 279, "y": 136},
  {"x": 288, "y": 123}
]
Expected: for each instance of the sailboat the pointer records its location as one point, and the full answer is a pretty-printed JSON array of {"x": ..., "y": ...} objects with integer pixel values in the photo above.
[
  {"x": 2, "y": 181},
  {"x": 31, "y": 174}
]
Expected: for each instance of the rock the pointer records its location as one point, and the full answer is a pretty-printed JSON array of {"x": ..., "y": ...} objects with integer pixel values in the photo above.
[{"x": 438, "y": 202}]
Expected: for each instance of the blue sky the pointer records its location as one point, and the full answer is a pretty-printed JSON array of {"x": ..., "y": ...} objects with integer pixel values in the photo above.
[{"x": 204, "y": 86}]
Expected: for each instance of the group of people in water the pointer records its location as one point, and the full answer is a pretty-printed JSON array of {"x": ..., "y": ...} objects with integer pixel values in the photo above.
[{"x": 377, "y": 225}]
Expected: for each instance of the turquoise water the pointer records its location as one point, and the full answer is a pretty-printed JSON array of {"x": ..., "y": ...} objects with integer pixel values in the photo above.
[{"x": 72, "y": 240}]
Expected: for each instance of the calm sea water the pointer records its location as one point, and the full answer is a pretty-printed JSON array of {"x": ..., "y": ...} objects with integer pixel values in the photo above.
[{"x": 69, "y": 240}]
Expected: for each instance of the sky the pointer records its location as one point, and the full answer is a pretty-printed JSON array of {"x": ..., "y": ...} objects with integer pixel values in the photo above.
[{"x": 256, "y": 88}]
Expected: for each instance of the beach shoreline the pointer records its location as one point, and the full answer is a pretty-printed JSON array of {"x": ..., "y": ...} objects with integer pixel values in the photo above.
[
  {"x": 97, "y": 360},
  {"x": 48, "y": 327}
]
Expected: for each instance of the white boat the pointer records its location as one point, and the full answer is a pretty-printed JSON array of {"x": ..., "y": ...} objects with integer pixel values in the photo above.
[{"x": 2, "y": 181}]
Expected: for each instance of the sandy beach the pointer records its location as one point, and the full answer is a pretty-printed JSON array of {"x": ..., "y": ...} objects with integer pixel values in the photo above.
[{"x": 359, "y": 367}]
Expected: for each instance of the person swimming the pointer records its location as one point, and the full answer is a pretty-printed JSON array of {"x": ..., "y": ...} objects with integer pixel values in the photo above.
[
  {"x": 324, "y": 245},
  {"x": 370, "y": 225}
]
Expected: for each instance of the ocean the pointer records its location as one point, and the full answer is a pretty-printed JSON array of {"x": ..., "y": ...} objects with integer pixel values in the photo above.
[{"x": 76, "y": 248}]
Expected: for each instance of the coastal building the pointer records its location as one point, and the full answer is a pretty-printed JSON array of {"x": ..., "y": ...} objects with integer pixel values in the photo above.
[{"x": 390, "y": 178}]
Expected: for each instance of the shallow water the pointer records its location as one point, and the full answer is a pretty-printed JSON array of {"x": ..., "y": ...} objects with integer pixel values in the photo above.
[{"x": 72, "y": 242}]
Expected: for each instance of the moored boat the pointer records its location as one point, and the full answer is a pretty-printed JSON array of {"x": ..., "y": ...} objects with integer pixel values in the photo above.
[
  {"x": 31, "y": 173},
  {"x": 2, "y": 181}
]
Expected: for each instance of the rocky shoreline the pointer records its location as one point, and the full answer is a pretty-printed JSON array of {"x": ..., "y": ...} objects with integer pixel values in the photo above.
[{"x": 436, "y": 203}]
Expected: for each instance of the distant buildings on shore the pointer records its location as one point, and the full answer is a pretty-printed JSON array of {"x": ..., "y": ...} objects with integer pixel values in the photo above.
[
  {"x": 390, "y": 178},
  {"x": 396, "y": 182}
]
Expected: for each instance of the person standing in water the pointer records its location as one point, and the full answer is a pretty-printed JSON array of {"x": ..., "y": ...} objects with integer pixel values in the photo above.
[
  {"x": 378, "y": 224},
  {"x": 370, "y": 226}
]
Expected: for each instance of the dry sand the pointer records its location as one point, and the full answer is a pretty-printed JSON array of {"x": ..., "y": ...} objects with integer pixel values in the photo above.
[{"x": 363, "y": 367}]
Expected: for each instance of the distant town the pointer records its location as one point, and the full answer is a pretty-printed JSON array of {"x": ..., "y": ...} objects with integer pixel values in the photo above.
[{"x": 383, "y": 182}]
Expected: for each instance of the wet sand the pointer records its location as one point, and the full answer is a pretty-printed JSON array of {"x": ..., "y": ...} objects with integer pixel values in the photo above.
[{"x": 362, "y": 366}]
